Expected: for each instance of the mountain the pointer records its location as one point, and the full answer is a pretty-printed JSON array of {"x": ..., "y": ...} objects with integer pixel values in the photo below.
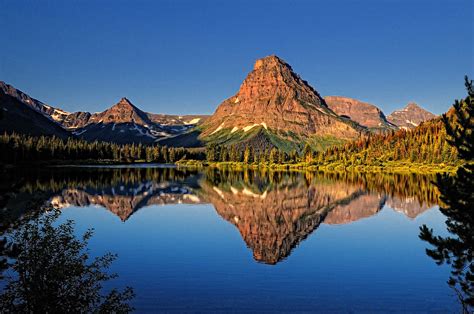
[
  {"x": 275, "y": 100},
  {"x": 361, "y": 112},
  {"x": 121, "y": 123},
  {"x": 33, "y": 103},
  {"x": 409, "y": 117},
  {"x": 125, "y": 123},
  {"x": 23, "y": 114}
]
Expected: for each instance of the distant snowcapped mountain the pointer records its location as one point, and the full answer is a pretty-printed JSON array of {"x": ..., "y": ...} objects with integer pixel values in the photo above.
[{"x": 410, "y": 116}]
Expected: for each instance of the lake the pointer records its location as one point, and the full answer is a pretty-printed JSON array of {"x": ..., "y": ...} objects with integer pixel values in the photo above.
[{"x": 226, "y": 241}]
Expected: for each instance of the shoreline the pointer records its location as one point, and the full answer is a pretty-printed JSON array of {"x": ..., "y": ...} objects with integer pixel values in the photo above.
[
  {"x": 386, "y": 168},
  {"x": 390, "y": 167}
]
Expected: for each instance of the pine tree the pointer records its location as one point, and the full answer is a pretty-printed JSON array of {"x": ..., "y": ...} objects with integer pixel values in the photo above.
[
  {"x": 457, "y": 196},
  {"x": 307, "y": 153},
  {"x": 461, "y": 130},
  {"x": 247, "y": 155},
  {"x": 274, "y": 155}
]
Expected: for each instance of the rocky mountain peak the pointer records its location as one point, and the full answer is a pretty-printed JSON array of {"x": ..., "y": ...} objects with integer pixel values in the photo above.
[
  {"x": 122, "y": 112},
  {"x": 125, "y": 104},
  {"x": 125, "y": 100},
  {"x": 274, "y": 98},
  {"x": 268, "y": 62},
  {"x": 410, "y": 116},
  {"x": 275, "y": 73},
  {"x": 412, "y": 106}
]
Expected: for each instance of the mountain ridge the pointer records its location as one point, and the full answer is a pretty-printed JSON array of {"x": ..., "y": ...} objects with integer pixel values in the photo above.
[
  {"x": 364, "y": 113},
  {"x": 20, "y": 118},
  {"x": 121, "y": 123}
]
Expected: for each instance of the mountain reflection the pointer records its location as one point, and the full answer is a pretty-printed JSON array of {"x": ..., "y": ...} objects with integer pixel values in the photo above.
[{"x": 273, "y": 211}]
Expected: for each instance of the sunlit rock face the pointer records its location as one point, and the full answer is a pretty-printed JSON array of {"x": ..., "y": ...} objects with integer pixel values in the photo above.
[
  {"x": 272, "y": 222},
  {"x": 275, "y": 99},
  {"x": 361, "y": 112}
]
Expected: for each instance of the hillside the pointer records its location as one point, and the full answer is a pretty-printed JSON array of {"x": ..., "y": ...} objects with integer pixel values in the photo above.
[
  {"x": 17, "y": 117},
  {"x": 425, "y": 144}
]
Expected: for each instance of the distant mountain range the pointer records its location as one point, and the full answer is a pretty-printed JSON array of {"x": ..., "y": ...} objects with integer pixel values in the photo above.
[
  {"x": 273, "y": 107},
  {"x": 121, "y": 123}
]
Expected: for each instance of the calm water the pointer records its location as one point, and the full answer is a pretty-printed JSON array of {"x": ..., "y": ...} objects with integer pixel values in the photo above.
[{"x": 249, "y": 241}]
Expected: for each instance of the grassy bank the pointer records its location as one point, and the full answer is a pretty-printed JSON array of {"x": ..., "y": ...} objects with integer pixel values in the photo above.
[{"x": 390, "y": 167}]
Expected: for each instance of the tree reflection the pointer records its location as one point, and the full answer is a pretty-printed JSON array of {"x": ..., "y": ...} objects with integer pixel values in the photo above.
[
  {"x": 457, "y": 196},
  {"x": 51, "y": 271}
]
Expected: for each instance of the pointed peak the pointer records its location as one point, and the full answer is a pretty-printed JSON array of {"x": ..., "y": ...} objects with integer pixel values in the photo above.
[
  {"x": 269, "y": 62},
  {"x": 412, "y": 105},
  {"x": 124, "y": 100},
  {"x": 124, "y": 103}
]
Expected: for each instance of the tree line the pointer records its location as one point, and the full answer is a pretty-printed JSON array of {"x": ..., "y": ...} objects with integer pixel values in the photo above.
[
  {"x": 425, "y": 144},
  {"x": 249, "y": 154},
  {"x": 18, "y": 148},
  {"x": 413, "y": 186}
]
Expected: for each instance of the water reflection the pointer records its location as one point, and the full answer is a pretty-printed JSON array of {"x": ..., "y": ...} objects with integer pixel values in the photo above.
[
  {"x": 273, "y": 211},
  {"x": 457, "y": 249},
  {"x": 51, "y": 271}
]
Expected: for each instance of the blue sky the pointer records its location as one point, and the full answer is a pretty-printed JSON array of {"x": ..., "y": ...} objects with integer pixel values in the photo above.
[{"x": 188, "y": 56}]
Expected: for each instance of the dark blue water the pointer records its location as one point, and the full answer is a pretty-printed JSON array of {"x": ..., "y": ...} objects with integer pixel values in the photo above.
[{"x": 255, "y": 242}]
